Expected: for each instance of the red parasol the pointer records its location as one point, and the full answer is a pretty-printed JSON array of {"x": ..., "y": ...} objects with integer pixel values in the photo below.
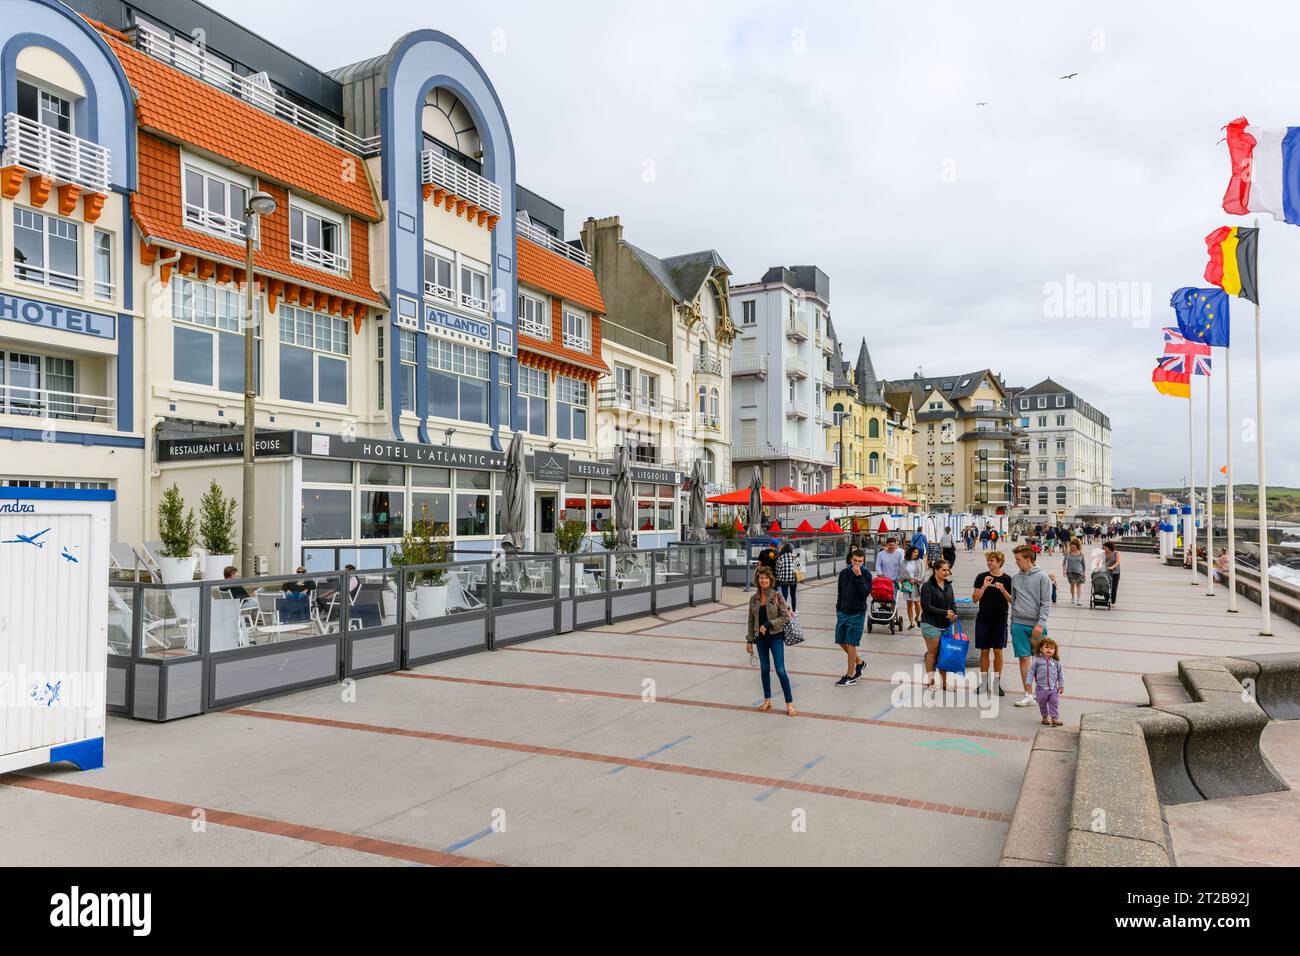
[
  {"x": 884, "y": 526},
  {"x": 775, "y": 529},
  {"x": 805, "y": 528},
  {"x": 830, "y": 527},
  {"x": 796, "y": 497},
  {"x": 847, "y": 494},
  {"x": 741, "y": 497}
]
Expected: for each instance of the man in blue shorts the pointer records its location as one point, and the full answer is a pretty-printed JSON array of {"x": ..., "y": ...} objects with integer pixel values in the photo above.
[
  {"x": 1031, "y": 603},
  {"x": 853, "y": 590}
]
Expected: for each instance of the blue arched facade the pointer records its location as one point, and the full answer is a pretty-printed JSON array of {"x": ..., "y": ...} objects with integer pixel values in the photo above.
[
  {"x": 106, "y": 117},
  {"x": 418, "y": 63}
]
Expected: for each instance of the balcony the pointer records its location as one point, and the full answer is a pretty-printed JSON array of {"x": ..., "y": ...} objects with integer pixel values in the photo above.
[
  {"x": 709, "y": 423},
  {"x": 542, "y": 238},
  {"x": 579, "y": 343},
  {"x": 708, "y": 365},
  {"x": 255, "y": 89},
  {"x": 532, "y": 327},
  {"x": 796, "y": 411},
  {"x": 795, "y": 367},
  {"x": 796, "y": 330},
  {"x": 827, "y": 345},
  {"x": 644, "y": 403},
  {"x": 756, "y": 366},
  {"x": 442, "y": 293},
  {"x": 65, "y": 158},
  {"x": 643, "y": 455},
  {"x": 760, "y": 452},
  {"x": 439, "y": 171},
  {"x": 52, "y": 406},
  {"x": 613, "y": 332}
]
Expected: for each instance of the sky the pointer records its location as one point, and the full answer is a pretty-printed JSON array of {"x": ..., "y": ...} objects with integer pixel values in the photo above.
[{"x": 1038, "y": 235}]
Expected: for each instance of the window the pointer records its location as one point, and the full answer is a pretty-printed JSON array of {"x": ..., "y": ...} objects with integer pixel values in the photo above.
[
  {"x": 458, "y": 381},
  {"x": 1042, "y": 495},
  {"x": 577, "y": 331},
  {"x": 1060, "y": 494},
  {"x": 835, "y": 450},
  {"x": 530, "y": 406},
  {"x": 1060, "y": 469},
  {"x": 473, "y": 492},
  {"x": 313, "y": 357},
  {"x": 505, "y": 368},
  {"x": 1042, "y": 421},
  {"x": 473, "y": 289},
  {"x": 748, "y": 313},
  {"x": 1060, "y": 446},
  {"x": 1042, "y": 467},
  {"x": 214, "y": 204},
  {"x": 208, "y": 336},
  {"x": 570, "y": 408},
  {"x": 1024, "y": 404},
  {"x": 317, "y": 239},
  {"x": 873, "y": 428},
  {"x": 837, "y": 415},
  {"x": 326, "y": 514},
  {"x": 1042, "y": 446},
  {"x": 1060, "y": 401},
  {"x": 714, "y": 404},
  {"x": 406, "y": 371},
  {"x": 873, "y": 463},
  {"x": 1060, "y": 421},
  {"x": 47, "y": 251},
  {"x": 103, "y": 265},
  {"x": 534, "y": 317},
  {"x": 43, "y": 385},
  {"x": 438, "y": 277},
  {"x": 44, "y": 107},
  {"x": 704, "y": 401}
]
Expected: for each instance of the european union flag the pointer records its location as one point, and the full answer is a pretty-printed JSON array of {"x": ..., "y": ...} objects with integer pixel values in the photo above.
[{"x": 1202, "y": 315}]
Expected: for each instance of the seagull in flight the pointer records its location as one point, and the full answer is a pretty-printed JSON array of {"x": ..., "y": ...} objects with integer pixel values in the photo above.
[
  {"x": 981, "y": 104},
  {"x": 31, "y": 539},
  {"x": 1068, "y": 76}
]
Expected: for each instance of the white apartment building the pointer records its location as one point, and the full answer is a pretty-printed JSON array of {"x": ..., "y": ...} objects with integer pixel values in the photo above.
[
  {"x": 1067, "y": 452},
  {"x": 781, "y": 373}
]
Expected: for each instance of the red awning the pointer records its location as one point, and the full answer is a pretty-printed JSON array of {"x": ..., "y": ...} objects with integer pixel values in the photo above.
[
  {"x": 830, "y": 527},
  {"x": 805, "y": 528}
]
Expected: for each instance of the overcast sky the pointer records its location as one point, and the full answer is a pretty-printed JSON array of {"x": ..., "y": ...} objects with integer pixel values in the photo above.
[{"x": 847, "y": 136}]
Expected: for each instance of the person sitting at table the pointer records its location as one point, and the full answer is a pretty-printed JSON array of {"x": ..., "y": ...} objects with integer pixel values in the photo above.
[
  {"x": 234, "y": 590},
  {"x": 300, "y": 586}
]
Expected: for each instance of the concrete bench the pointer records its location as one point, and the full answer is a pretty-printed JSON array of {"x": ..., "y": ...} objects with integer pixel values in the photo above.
[
  {"x": 1041, "y": 820},
  {"x": 1276, "y": 682}
]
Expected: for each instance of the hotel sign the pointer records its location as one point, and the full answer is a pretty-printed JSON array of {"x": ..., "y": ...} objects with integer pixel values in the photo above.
[
  {"x": 398, "y": 452},
  {"x": 436, "y": 318},
  {"x": 15, "y": 308},
  {"x": 207, "y": 447},
  {"x": 550, "y": 466}
]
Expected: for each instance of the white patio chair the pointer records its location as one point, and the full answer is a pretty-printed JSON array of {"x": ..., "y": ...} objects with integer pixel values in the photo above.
[{"x": 264, "y": 604}]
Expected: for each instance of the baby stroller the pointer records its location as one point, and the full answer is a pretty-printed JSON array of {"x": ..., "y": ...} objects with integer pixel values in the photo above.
[
  {"x": 883, "y": 607},
  {"x": 1100, "y": 582}
]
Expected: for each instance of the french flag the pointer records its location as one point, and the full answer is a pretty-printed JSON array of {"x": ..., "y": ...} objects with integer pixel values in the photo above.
[{"x": 1265, "y": 171}]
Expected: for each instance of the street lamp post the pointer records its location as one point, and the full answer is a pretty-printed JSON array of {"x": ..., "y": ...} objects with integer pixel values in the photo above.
[{"x": 259, "y": 204}]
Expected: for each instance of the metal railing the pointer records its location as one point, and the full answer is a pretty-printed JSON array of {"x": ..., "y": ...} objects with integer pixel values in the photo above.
[
  {"x": 636, "y": 400},
  {"x": 254, "y": 90},
  {"x": 54, "y": 153},
  {"x": 60, "y": 406},
  {"x": 708, "y": 364},
  {"x": 622, "y": 335},
  {"x": 439, "y": 170},
  {"x": 226, "y": 643},
  {"x": 755, "y": 365},
  {"x": 544, "y": 239}
]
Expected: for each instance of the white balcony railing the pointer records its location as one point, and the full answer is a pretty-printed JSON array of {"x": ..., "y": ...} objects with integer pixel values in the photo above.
[
  {"x": 796, "y": 329},
  {"x": 796, "y": 367},
  {"x": 547, "y": 241},
  {"x": 51, "y": 152},
  {"x": 708, "y": 364},
  {"x": 57, "y": 406},
  {"x": 535, "y": 328},
  {"x": 255, "y": 90},
  {"x": 50, "y": 278},
  {"x": 755, "y": 365},
  {"x": 709, "y": 422},
  {"x": 229, "y": 227},
  {"x": 579, "y": 343},
  {"x": 439, "y": 170},
  {"x": 473, "y": 302},
  {"x": 440, "y": 292},
  {"x": 635, "y": 400},
  {"x": 318, "y": 257},
  {"x": 796, "y": 410},
  {"x": 784, "y": 450}
]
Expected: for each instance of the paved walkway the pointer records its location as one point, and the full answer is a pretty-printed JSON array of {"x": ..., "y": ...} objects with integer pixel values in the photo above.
[{"x": 635, "y": 744}]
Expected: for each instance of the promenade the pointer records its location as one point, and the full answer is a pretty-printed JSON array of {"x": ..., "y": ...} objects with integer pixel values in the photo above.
[{"x": 632, "y": 744}]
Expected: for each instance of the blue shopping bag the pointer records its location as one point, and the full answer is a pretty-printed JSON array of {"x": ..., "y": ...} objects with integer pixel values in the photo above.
[{"x": 953, "y": 645}]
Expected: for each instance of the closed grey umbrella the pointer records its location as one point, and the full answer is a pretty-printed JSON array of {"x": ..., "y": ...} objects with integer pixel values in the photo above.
[
  {"x": 696, "y": 510},
  {"x": 624, "y": 506},
  {"x": 514, "y": 497},
  {"x": 756, "y": 505}
]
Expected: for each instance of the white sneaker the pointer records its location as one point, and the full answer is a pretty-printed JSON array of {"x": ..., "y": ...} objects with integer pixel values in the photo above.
[{"x": 1025, "y": 701}]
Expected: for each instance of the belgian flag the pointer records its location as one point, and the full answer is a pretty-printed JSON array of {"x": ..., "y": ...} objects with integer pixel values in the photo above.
[{"x": 1233, "y": 254}]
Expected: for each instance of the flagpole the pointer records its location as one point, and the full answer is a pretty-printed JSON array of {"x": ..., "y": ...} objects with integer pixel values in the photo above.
[
  {"x": 1227, "y": 493},
  {"x": 1189, "y": 529},
  {"x": 1209, "y": 492},
  {"x": 1264, "y": 598}
]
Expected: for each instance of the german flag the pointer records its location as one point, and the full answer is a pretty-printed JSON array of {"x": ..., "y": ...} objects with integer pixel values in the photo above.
[
  {"x": 1171, "y": 378},
  {"x": 1232, "y": 267}
]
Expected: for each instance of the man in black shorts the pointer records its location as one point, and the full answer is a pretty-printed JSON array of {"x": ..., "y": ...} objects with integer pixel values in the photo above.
[{"x": 993, "y": 592}]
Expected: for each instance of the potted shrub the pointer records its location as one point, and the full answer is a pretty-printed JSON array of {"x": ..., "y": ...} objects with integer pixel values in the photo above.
[
  {"x": 418, "y": 547},
  {"x": 608, "y": 535},
  {"x": 177, "y": 531},
  {"x": 570, "y": 535},
  {"x": 217, "y": 517}
]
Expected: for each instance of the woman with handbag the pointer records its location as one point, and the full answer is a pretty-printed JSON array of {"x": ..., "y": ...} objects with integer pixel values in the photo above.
[
  {"x": 910, "y": 584},
  {"x": 768, "y": 619},
  {"x": 788, "y": 575},
  {"x": 938, "y": 611}
]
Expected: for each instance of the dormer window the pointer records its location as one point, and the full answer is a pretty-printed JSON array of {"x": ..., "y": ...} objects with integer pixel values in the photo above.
[
  {"x": 317, "y": 238},
  {"x": 47, "y": 108},
  {"x": 214, "y": 201}
]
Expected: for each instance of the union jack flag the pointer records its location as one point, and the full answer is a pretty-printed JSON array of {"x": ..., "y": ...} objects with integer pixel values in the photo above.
[
  {"x": 1193, "y": 354},
  {"x": 1177, "y": 363}
]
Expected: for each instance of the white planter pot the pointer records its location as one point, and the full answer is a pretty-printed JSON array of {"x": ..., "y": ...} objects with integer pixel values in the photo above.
[
  {"x": 214, "y": 566},
  {"x": 431, "y": 601},
  {"x": 177, "y": 570}
]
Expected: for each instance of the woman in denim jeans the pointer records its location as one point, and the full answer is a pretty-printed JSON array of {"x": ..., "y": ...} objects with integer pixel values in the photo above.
[{"x": 767, "y": 619}]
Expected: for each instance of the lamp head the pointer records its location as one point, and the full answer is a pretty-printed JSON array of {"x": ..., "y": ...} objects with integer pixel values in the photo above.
[{"x": 263, "y": 204}]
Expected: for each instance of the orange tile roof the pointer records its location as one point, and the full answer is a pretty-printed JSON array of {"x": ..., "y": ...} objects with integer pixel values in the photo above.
[
  {"x": 553, "y": 273},
  {"x": 156, "y": 207},
  {"x": 180, "y": 107}
]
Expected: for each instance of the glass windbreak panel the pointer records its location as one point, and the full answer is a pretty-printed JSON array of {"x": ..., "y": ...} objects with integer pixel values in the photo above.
[
  {"x": 471, "y": 514},
  {"x": 431, "y": 477},
  {"x": 524, "y": 579},
  {"x": 373, "y": 599},
  {"x": 631, "y": 570},
  {"x": 329, "y": 472},
  {"x": 245, "y": 614},
  {"x": 169, "y": 625},
  {"x": 326, "y": 514},
  {"x": 589, "y": 575},
  {"x": 121, "y": 612},
  {"x": 372, "y": 474},
  {"x": 451, "y": 589},
  {"x": 434, "y": 507},
  {"x": 382, "y": 513}
]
